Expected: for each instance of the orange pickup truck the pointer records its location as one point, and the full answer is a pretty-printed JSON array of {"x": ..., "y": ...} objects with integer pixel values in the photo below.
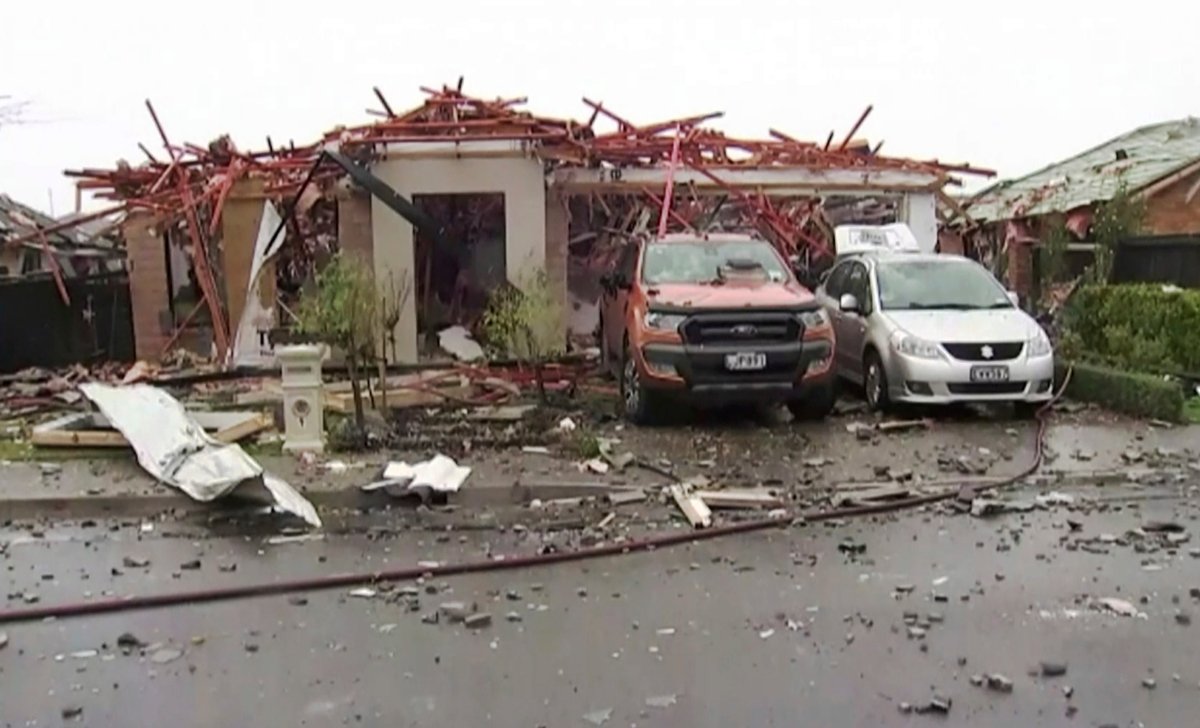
[{"x": 714, "y": 319}]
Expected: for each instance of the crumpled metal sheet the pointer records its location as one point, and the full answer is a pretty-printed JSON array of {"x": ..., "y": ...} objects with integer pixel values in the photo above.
[{"x": 173, "y": 448}]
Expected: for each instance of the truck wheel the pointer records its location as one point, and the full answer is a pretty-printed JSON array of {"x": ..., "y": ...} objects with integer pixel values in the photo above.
[
  {"x": 636, "y": 400},
  {"x": 816, "y": 406},
  {"x": 875, "y": 383}
]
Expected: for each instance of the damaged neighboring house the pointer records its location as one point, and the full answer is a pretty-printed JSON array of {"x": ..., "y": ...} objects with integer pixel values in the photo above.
[
  {"x": 1160, "y": 164},
  {"x": 64, "y": 293},
  {"x": 458, "y": 196}
]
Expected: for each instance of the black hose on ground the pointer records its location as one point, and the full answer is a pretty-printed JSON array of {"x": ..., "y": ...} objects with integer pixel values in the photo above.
[{"x": 334, "y": 581}]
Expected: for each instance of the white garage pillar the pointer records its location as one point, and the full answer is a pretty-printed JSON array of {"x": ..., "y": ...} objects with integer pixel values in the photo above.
[
  {"x": 920, "y": 212},
  {"x": 521, "y": 181}
]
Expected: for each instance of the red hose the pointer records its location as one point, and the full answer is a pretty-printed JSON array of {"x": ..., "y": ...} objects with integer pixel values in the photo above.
[{"x": 333, "y": 581}]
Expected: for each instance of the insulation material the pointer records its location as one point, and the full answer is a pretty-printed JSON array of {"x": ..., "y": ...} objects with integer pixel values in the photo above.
[{"x": 173, "y": 448}]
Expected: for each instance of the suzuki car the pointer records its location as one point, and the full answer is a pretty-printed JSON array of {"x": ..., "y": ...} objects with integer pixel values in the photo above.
[
  {"x": 714, "y": 319},
  {"x": 934, "y": 329}
]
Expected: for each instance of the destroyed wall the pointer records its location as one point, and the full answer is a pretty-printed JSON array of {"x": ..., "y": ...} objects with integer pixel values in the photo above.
[
  {"x": 149, "y": 287},
  {"x": 519, "y": 179},
  {"x": 1175, "y": 210}
]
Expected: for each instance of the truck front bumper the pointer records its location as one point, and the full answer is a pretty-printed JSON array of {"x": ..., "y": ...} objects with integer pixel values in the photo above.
[{"x": 700, "y": 373}]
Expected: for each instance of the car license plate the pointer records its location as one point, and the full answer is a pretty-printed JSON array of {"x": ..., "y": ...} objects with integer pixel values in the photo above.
[
  {"x": 746, "y": 361},
  {"x": 989, "y": 374}
]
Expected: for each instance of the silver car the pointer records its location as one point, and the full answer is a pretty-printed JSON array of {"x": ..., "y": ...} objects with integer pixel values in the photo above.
[{"x": 933, "y": 329}]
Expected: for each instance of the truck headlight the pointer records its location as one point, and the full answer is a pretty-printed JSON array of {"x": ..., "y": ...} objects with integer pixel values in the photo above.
[
  {"x": 663, "y": 321},
  {"x": 816, "y": 319},
  {"x": 910, "y": 345},
  {"x": 1039, "y": 345}
]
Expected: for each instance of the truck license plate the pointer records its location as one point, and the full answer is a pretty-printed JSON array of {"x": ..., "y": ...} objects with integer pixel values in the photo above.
[
  {"x": 989, "y": 374},
  {"x": 746, "y": 361}
]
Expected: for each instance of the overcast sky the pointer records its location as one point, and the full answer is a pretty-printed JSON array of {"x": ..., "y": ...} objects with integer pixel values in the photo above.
[{"x": 1010, "y": 85}]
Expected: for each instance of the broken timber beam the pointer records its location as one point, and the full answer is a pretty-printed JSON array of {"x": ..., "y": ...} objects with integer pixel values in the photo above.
[{"x": 693, "y": 507}]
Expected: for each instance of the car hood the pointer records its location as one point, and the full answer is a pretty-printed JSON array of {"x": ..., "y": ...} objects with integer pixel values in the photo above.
[
  {"x": 755, "y": 294},
  {"x": 966, "y": 327}
]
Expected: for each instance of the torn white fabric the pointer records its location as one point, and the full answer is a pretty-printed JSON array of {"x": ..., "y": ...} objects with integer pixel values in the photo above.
[
  {"x": 173, "y": 448},
  {"x": 250, "y": 345},
  {"x": 439, "y": 474}
]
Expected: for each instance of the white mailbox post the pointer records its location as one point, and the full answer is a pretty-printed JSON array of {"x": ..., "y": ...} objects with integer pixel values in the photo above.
[{"x": 304, "y": 423}]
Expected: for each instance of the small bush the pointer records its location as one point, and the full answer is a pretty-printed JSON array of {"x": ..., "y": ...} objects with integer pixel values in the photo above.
[
  {"x": 1138, "y": 326},
  {"x": 525, "y": 323},
  {"x": 1141, "y": 395}
]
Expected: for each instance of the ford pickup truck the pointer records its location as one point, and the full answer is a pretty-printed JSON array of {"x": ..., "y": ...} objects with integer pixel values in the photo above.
[{"x": 713, "y": 319}]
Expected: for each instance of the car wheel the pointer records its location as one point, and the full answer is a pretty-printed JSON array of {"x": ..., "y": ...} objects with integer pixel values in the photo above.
[
  {"x": 635, "y": 399},
  {"x": 816, "y": 406},
  {"x": 875, "y": 383}
]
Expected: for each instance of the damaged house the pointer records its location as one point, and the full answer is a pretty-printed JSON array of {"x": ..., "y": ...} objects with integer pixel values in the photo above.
[
  {"x": 1158, "y": 164},
  {"x": 460, "y": 195},
  {"x": 72, "y": 274}
]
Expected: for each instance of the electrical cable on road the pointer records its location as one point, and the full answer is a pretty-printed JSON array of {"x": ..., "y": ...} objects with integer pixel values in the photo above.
[{"x": 334, "y": 581}]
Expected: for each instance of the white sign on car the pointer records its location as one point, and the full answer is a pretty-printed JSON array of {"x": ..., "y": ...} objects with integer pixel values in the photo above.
[{"x": 896, "y": 238}]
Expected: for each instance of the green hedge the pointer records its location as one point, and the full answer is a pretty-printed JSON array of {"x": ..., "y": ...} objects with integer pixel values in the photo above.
[
  {"x": 1138, "y": 326},
  {"x": 1142, "y": 395}
]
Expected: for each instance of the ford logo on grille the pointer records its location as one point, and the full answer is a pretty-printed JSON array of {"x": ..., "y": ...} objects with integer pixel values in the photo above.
[{"x": 744, "y": 330}]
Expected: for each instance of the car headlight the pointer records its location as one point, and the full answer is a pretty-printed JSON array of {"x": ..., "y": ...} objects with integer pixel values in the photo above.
[
  {"x": 912, "y": 346},
  {"x": 1039, "y": 345},
  {"x": 817, "y": 319},
  {"x": 664, "y": 321}
]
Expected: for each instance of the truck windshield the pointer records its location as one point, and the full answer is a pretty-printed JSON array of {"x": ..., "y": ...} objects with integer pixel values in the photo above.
[
  {"x": 711, "y": 262},
  {"x": 953, "y": 283}
]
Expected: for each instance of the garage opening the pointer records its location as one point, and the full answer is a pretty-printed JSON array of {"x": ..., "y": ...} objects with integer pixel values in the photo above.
[{"x": 454, "y": 280}]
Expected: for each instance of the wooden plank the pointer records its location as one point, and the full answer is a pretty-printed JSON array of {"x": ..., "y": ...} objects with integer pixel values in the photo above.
[
  {"x": 740, "y": 498},
  {"x": 898, "y": 425},
  {"x": 692, "y": 506},
  {"x": 871, "y": 496},
  {"x": 78, "y": 438},
  {"x": 90, "y": 429},
  {"x": 396, "y": 398},
  {"x": 255, "y": 422}
]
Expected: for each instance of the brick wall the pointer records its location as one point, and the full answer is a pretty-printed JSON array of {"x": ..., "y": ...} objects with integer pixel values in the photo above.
[
  {"x": 240, "y": 220},
  {"x": 148, "y": 293},
  {"x": 1170, "y": 213},
  {"x": 1020, "y": 267}
]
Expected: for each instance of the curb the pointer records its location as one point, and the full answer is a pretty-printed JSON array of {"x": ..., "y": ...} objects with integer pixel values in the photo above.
[{"x": 154, "y": 504}]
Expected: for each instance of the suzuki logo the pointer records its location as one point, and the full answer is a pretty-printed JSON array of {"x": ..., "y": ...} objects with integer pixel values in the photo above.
[
  {"x": 744, "y": 330},
  {"x": 986, "y": 352}
]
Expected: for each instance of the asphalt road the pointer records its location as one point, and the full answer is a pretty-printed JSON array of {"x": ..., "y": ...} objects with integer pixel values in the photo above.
[{"x": 775, "y": 628}]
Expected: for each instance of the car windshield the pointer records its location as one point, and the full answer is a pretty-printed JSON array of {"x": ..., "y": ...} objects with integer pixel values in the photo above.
[
  {"x": 711, "y": 262},
  {"x": 952, "y": 283}
]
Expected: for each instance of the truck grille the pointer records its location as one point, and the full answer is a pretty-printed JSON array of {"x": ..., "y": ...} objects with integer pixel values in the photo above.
[
  {"x": 741, "y": 328},
  {"x": 974, "y": 352}
]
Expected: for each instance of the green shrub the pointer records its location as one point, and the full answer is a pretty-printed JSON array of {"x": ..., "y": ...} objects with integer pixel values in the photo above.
[
  {"x": 525, "y": 322},
  {"x": 1138, "y": 326},
  {"x": 1141, "y": 395}
]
